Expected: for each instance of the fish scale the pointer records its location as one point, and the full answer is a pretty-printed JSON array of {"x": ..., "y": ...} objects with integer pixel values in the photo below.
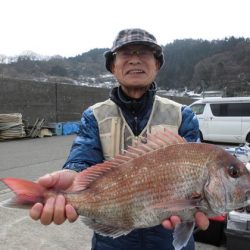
[
  {"x": 148, "y": 183},
  {"x": 139, "y": 181}
]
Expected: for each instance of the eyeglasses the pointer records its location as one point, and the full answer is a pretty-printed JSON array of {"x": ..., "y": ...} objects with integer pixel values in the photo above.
[{"x": 141, "y": 53}]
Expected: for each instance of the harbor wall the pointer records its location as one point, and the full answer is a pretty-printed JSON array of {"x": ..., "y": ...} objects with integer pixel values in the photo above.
[{"x": 55, "y": 102}]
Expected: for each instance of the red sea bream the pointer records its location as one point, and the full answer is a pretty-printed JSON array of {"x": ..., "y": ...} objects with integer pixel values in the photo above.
[{"x": 149, "y": 182}]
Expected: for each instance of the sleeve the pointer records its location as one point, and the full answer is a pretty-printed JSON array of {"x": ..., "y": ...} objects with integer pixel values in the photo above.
[
  {"x": 86, "y": 149},
  {"x": 189, "y": 128}
]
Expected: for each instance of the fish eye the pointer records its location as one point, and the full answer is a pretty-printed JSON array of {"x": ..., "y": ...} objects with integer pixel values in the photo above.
[{"x": 233, "y": 171}]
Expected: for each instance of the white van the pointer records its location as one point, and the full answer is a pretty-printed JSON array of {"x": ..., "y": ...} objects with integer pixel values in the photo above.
[{"x": 223, "y": 119}]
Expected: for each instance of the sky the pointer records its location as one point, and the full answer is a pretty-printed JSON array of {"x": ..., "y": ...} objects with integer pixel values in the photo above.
[{"x": 72, "y": 27}]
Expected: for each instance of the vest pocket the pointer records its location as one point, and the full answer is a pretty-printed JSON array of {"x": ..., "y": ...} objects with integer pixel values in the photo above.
[{"x": 110, "y": 130}]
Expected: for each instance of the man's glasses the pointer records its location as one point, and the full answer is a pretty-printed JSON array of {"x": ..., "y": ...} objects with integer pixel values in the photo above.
[{"x": 141, "y": 53}]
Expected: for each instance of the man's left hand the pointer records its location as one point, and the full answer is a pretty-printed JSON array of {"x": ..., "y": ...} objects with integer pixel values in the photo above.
[{"x": 201, "y": 221}]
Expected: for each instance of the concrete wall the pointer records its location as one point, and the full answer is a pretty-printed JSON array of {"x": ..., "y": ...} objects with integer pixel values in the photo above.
[
  {"x": 72, "y": 100},
  {"x": 52, "y": 101}
]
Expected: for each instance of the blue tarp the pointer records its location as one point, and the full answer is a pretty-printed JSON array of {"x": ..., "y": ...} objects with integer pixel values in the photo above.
[{"x": 70, "y": 128}]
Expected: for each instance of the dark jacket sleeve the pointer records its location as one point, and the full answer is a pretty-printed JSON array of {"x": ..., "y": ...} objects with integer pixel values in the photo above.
[
  {"x": 86, "y": 149},
  {"x": 189, "y": 128}
]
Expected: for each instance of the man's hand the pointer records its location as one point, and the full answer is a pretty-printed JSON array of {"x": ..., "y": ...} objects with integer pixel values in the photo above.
[
  {"x": 55, "y": 209},
  {"x": 201, "y": 221}
]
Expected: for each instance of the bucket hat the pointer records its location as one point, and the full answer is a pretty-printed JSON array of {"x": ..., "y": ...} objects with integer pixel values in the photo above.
[{"x": 133, "y": 36}]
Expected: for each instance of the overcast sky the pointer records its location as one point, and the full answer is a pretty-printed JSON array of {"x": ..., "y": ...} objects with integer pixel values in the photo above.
[{"x": 71, "y": 27}]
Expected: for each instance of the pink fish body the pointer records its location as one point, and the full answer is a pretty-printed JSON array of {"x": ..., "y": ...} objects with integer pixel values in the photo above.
[{"x": 150, "y": 182}]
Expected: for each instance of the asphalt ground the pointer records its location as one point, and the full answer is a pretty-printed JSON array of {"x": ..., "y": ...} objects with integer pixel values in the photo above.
[{"x": 29, "y": 159}]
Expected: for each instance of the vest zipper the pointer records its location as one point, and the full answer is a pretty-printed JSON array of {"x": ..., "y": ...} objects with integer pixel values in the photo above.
[{"x": 136, "y": 124}]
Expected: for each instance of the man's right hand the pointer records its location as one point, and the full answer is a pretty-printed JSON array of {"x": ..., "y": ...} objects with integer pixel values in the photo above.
[{"x": 55, "y": 209}]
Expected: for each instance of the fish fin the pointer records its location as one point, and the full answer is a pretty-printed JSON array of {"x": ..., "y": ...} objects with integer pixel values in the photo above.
[
  {"x": 159, "y": 139},
  {"x": 27, "y": 192},
  {"x": 147, "y": 144},
  {"x": 85, "y": 178},
  {"x": 13, "y": 203},
  {"x": 168, "y": 137},
  {"x": 177, "y": 205},
  {"x": 105, "y": 230},
  {"x": 182, "y": 234}
]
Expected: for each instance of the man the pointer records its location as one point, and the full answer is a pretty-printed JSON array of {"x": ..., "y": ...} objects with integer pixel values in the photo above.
[{"x": 132, "y": 110}]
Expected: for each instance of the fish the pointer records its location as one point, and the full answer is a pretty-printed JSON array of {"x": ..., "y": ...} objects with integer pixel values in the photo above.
[{"x": 162, "y": 175}]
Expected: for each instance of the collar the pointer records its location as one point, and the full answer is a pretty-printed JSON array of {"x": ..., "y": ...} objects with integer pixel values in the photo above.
[{"x": 135, "y": 106}]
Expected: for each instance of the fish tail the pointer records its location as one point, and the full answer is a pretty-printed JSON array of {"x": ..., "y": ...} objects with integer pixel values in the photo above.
[{"x": 26, "y": 192}]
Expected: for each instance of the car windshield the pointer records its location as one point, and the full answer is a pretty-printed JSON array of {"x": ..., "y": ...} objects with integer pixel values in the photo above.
[{"x": 198, "y": 108}]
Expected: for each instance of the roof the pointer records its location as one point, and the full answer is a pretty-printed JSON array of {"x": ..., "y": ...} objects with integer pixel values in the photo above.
[{"x": 223, "y": 100}]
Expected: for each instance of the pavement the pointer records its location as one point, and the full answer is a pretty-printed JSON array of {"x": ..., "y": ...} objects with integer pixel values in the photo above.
[{"x": 29, "y": 159}]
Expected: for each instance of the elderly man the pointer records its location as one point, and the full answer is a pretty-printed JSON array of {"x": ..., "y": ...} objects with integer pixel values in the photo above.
[{"x": 132, "y": 110}]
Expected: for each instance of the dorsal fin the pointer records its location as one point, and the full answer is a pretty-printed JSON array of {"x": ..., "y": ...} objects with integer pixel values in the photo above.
[
  {"x": 170, "y": 138},
  {"x": 149, "y": 143}
]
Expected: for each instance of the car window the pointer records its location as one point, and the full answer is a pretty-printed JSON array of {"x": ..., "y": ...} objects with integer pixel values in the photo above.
[
  {"x": 198, "y": 108},
  {"x": 230, "y": 109},
  {"x": 245, "y": 109}
]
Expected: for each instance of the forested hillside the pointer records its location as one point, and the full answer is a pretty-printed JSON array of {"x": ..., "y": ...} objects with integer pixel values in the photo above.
[{"x": 194, "y": 64}]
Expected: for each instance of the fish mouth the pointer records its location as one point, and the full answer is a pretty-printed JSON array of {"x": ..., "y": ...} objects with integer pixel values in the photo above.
[
  {"x": 247, "y": 202},
  {"x": 241, "y": 203}
]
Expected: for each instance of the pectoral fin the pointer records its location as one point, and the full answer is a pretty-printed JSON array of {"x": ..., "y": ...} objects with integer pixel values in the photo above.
[
  {"x": 178, "y": 205},
  {"x": 182, "y": 234}
]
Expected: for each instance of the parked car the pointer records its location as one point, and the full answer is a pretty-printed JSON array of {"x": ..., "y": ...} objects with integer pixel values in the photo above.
[{"x": 223, "y": 119}]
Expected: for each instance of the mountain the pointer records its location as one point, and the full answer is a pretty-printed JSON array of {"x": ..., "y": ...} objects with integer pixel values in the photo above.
[{"x": 189, "y": 64}]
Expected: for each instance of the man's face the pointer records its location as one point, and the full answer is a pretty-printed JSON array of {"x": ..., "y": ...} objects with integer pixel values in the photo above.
[{"x": 135, "y": 66}]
